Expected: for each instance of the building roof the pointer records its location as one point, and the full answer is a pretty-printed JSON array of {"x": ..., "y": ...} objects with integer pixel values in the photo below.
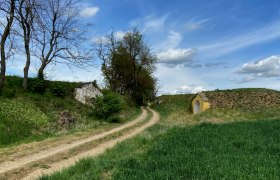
[{"x": 203, "y": 96}]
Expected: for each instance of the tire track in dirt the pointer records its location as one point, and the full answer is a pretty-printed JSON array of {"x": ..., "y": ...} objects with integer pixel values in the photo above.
[
  {"x": 95, "y": 151},
  {"x": 20, "y": 162}
]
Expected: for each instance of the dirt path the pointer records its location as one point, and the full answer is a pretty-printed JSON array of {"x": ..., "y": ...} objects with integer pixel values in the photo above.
[
  {"x": 21, "y": 162},
  {"x": 95, "y": 151}
]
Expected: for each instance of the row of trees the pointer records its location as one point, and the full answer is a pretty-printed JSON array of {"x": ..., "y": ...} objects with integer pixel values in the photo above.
[
  {"x": 46, "y": 30},
  {"x": 49, "y": 31}
]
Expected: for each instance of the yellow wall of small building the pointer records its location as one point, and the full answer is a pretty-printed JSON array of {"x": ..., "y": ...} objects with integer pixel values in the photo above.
[{"x": 203, "y": 105}]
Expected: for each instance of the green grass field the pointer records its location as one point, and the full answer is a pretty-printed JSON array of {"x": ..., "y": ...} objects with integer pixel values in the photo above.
[
  {"x": 241, "y": 150},
  {"x": 216, "y": 144}
]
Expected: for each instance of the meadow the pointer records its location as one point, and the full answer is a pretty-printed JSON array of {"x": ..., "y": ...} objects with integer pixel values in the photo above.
[{"x": 217, "y": 144}]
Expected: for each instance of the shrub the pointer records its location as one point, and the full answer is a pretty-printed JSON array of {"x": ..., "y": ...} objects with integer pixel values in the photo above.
[
  {"x": 108, "y": 105},
  {"x": 58, "y": 90},
  {"x": 114, "y": 119},
  {"x": 8, "y": 93},
  {"x": 38, "y": 85}
]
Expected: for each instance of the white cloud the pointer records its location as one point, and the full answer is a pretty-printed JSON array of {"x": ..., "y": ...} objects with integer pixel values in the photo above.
[
  {"x": 231, "y": 44},
  {"x": 170, "y": 55},
  {"x": 172, "y": 78},
  {"x": 89, "y": 12},
  {"x": 150, "y": 23},
  {"x": 195, "y": 23},
  {"x": 119, "y": 34},
  {"x": 173, "y": 57},
  {"x": 188, "y": 90},
  {"x": 173, "y": 40},
  {"x": 268, "y": 67}
]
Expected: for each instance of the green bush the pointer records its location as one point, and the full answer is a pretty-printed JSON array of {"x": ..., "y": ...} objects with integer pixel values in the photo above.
[
  {"x": 8, "y": 93},
  {"x": 114, "y": 119},
  {"x": 38, "y": 85},
  {"x": 58, "y": 90},
  {"x": 108, "y": 105}
]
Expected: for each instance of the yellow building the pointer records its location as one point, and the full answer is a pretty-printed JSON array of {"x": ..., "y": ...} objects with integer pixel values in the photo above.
[{"x": 200, "y": 103}]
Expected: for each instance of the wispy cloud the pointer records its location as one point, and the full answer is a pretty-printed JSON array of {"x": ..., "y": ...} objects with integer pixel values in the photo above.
[
  {"x": 228, "y": 45},
  {"x": 196, "y": 23},
  {"x": 216, "y": 64},
  {"x": 89, "y": 12},
  {"x": 173, "y": 40},
  {"x": 243, "y": 80},
  {"x": 150, "y": 23}
]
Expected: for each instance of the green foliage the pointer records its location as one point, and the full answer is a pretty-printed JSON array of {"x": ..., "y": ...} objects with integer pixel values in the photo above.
[
  {"x": 20, "y": 120},
  {"x": 108, "y": 106},
  {"x": 58, "y": 90},
  {"x": 30, "y": 116},
  {"x": 128, "y": 66},
  {"x": 114, "y": 119},
  {"x": 8, "y": 93},
  {"x": 38, "y": 85},
  {"x": 173, "y": 103}
]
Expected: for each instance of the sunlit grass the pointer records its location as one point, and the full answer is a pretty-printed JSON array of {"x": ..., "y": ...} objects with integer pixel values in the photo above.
[{"x": 240, "y": 150}]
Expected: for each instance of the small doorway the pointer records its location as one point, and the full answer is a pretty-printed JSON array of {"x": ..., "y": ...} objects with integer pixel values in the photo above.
[{"x": 197, "y": 107}]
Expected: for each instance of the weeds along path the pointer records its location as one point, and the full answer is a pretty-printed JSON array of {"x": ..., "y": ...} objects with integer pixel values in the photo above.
[
  {"x": 18, "y": 162},
  {"x": 131, "y": 129}
]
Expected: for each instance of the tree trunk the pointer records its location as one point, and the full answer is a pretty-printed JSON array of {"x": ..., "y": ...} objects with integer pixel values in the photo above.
[
  {"x": 4, "y": 37},
  {"x": 26, "y": 25},
  {"x": 3, "y": 69},
  {"x": 26, "y": 69},
  {"x": 40, "y": 74}
]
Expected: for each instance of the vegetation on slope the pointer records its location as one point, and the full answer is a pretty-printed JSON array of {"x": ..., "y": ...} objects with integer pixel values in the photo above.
[
  {"x": 26, "y": 115},
  {"x": 247, "y": 98},
  {"x": 176, "y": 109}
]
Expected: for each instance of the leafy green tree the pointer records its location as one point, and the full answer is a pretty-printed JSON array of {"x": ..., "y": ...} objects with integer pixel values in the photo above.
[{"x": 128, "y": 65}]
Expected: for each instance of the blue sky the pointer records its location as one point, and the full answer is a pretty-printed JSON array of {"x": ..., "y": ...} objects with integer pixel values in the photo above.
[{"x": 200, "y": 44}]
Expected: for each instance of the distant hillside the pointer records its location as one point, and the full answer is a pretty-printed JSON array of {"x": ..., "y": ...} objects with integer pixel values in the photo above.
[
  {"x": 250, "y": 98},
  {"x": 226, "y": 106}
]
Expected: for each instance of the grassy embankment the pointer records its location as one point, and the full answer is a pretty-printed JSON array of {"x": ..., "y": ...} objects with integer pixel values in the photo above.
[
  {"x": 27, "y": 116},
  {"x": 233, "y": 143}
]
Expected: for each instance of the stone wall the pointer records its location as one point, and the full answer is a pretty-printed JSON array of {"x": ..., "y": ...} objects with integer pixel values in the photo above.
[
  {"x": 244, "y": 98},
  {"x": 86, "y": 93}
]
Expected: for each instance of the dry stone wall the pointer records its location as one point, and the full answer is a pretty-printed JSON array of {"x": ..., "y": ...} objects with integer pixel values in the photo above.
[{"x": 244, "y": 98}]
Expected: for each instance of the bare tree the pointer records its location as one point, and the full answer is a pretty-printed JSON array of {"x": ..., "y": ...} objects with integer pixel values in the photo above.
[
  {"x": 8, "y": 8},
  {"x": 105, "y": 48},
  {"x": 60, "y": 34},
  {"x": 25, "y": 15}
]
